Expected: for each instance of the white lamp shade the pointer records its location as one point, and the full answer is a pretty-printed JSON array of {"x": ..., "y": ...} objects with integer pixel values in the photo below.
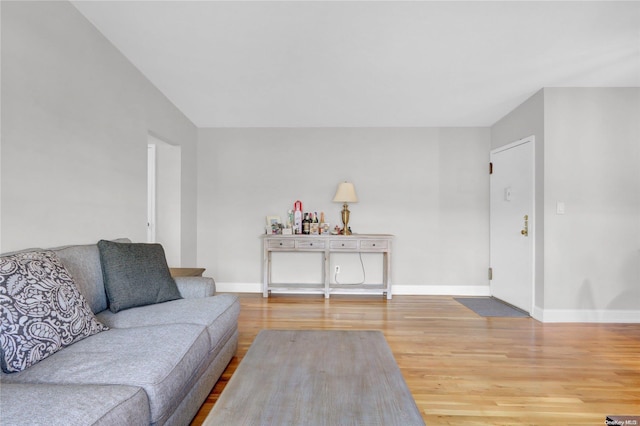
[{"x": 346, "y": 193}]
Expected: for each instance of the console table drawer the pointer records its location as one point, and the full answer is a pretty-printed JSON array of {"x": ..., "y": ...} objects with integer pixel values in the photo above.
[
  {"x": 310, "y": 244},
  {"x": 281, "y": 243},
  {"x": 374, "y": 244},
  {"x": 347, "y": 245}
]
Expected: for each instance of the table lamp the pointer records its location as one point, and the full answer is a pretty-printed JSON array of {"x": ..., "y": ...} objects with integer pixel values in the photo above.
[{"x": 346, "y": 193}]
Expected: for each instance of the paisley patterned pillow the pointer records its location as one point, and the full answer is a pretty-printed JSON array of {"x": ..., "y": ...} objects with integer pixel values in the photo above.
[{"x": 41, "y": 309}]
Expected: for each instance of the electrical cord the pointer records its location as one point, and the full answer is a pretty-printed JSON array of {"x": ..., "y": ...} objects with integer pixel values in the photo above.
[{"x": 364, "y": 274}]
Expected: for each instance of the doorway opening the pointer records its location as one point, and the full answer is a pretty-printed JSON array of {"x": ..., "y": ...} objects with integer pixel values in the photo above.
[{"x": 164, "y": 168}]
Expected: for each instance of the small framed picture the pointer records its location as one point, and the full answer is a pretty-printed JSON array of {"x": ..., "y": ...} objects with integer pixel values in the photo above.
[
  {"x": 274, "y": 225},
  {"x": 273, "y": 220}
]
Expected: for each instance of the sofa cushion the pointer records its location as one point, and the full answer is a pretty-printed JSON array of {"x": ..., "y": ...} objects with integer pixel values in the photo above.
[
  {"x": 83, "y": 262},
  {"x": 73, "y": 405},
  {"x": 41, "y": 309},
  {"x": 164, "y": 360},
  {"x": 195, "y": 287},
  {"x": 135, "y": 275},
  {"x": 219, "y": 314}
]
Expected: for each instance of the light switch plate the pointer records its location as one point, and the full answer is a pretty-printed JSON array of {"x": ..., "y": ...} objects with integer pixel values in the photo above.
[{"x": 560, "y": 207}]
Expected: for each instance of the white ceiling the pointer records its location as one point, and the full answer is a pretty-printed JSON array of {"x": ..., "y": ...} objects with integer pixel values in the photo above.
[{"x": 368, "y": 64}]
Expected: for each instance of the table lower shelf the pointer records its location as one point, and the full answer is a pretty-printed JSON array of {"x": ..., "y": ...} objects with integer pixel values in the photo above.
[
  {"x": 301, "y": 287},
  {"x": 360, "y": 289},
  {"x": 333, "y": 289}
]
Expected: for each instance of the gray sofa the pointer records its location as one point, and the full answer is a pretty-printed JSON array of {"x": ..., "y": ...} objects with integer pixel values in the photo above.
[{"x": 155, "y": 365}]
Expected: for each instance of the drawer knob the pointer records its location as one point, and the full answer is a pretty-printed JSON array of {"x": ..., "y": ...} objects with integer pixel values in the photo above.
[
  {"x": 280, "y": 243},
  {"x": 374, "y": 244},
  {"x": 342, "y": 244},
  {"x": 311, "y": 245}
]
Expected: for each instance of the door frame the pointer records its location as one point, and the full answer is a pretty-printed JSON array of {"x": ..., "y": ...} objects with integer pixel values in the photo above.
[
  {"x": 151, "y": 192},
  {"x": 532, "y": 215}
]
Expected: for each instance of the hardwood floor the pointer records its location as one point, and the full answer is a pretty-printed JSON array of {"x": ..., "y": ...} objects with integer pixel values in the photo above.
[{"x": 467, "y": 370}]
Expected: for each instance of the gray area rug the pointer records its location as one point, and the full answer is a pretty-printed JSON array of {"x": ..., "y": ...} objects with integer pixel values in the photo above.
[
  {"x": 316, "y": 377},
  {"x": 491, "y": 307}
]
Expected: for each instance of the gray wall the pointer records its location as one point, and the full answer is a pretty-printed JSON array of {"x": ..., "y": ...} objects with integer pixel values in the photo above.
[
  {"x": 1, "y": 102},
  {"x": 75, "y": 119},
  {"x": 592, "y": 164},
  {"x": 427, "y": 186},
  {"x": 588, "y": 156},
  {"x": 75, "y": 115}
]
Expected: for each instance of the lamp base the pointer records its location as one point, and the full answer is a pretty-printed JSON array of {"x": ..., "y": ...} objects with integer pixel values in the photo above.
[{"x": 345, "y": 219}]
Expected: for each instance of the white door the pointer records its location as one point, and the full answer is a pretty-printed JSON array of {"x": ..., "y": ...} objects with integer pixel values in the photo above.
[{"x": 512, "y": 223}]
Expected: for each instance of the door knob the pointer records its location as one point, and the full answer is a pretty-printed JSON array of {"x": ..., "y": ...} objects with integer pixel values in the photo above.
[{"x": 525, "y": 231}]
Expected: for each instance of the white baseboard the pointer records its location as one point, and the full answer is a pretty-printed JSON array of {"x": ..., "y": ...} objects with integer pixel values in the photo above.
[
  {"x": 406, "y": 290},
  {"x": 442, "y": 290},
  {"x": 586, "y": 315},
  {"x": 239, "y": 287}
]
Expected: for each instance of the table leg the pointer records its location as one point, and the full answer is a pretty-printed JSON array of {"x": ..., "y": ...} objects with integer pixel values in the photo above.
[{"x": 267, "y": 273}]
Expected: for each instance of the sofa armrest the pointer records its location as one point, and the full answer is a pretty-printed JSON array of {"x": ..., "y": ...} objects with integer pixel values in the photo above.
[{"x": 193, "y": 287}]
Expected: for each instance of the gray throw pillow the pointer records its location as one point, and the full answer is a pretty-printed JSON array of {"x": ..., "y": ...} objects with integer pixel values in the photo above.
[
  {"x": 135, "y": 275},
  {"x": 41, "y": 309}
]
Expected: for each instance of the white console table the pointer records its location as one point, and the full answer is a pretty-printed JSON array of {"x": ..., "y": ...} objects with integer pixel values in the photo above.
[{"x": 328, "y": 244}]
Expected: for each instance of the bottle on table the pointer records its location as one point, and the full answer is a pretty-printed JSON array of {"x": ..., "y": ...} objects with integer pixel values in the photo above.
[
  {"x": 297, "y": 217},
  {"x": 306, "y": 224}
]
